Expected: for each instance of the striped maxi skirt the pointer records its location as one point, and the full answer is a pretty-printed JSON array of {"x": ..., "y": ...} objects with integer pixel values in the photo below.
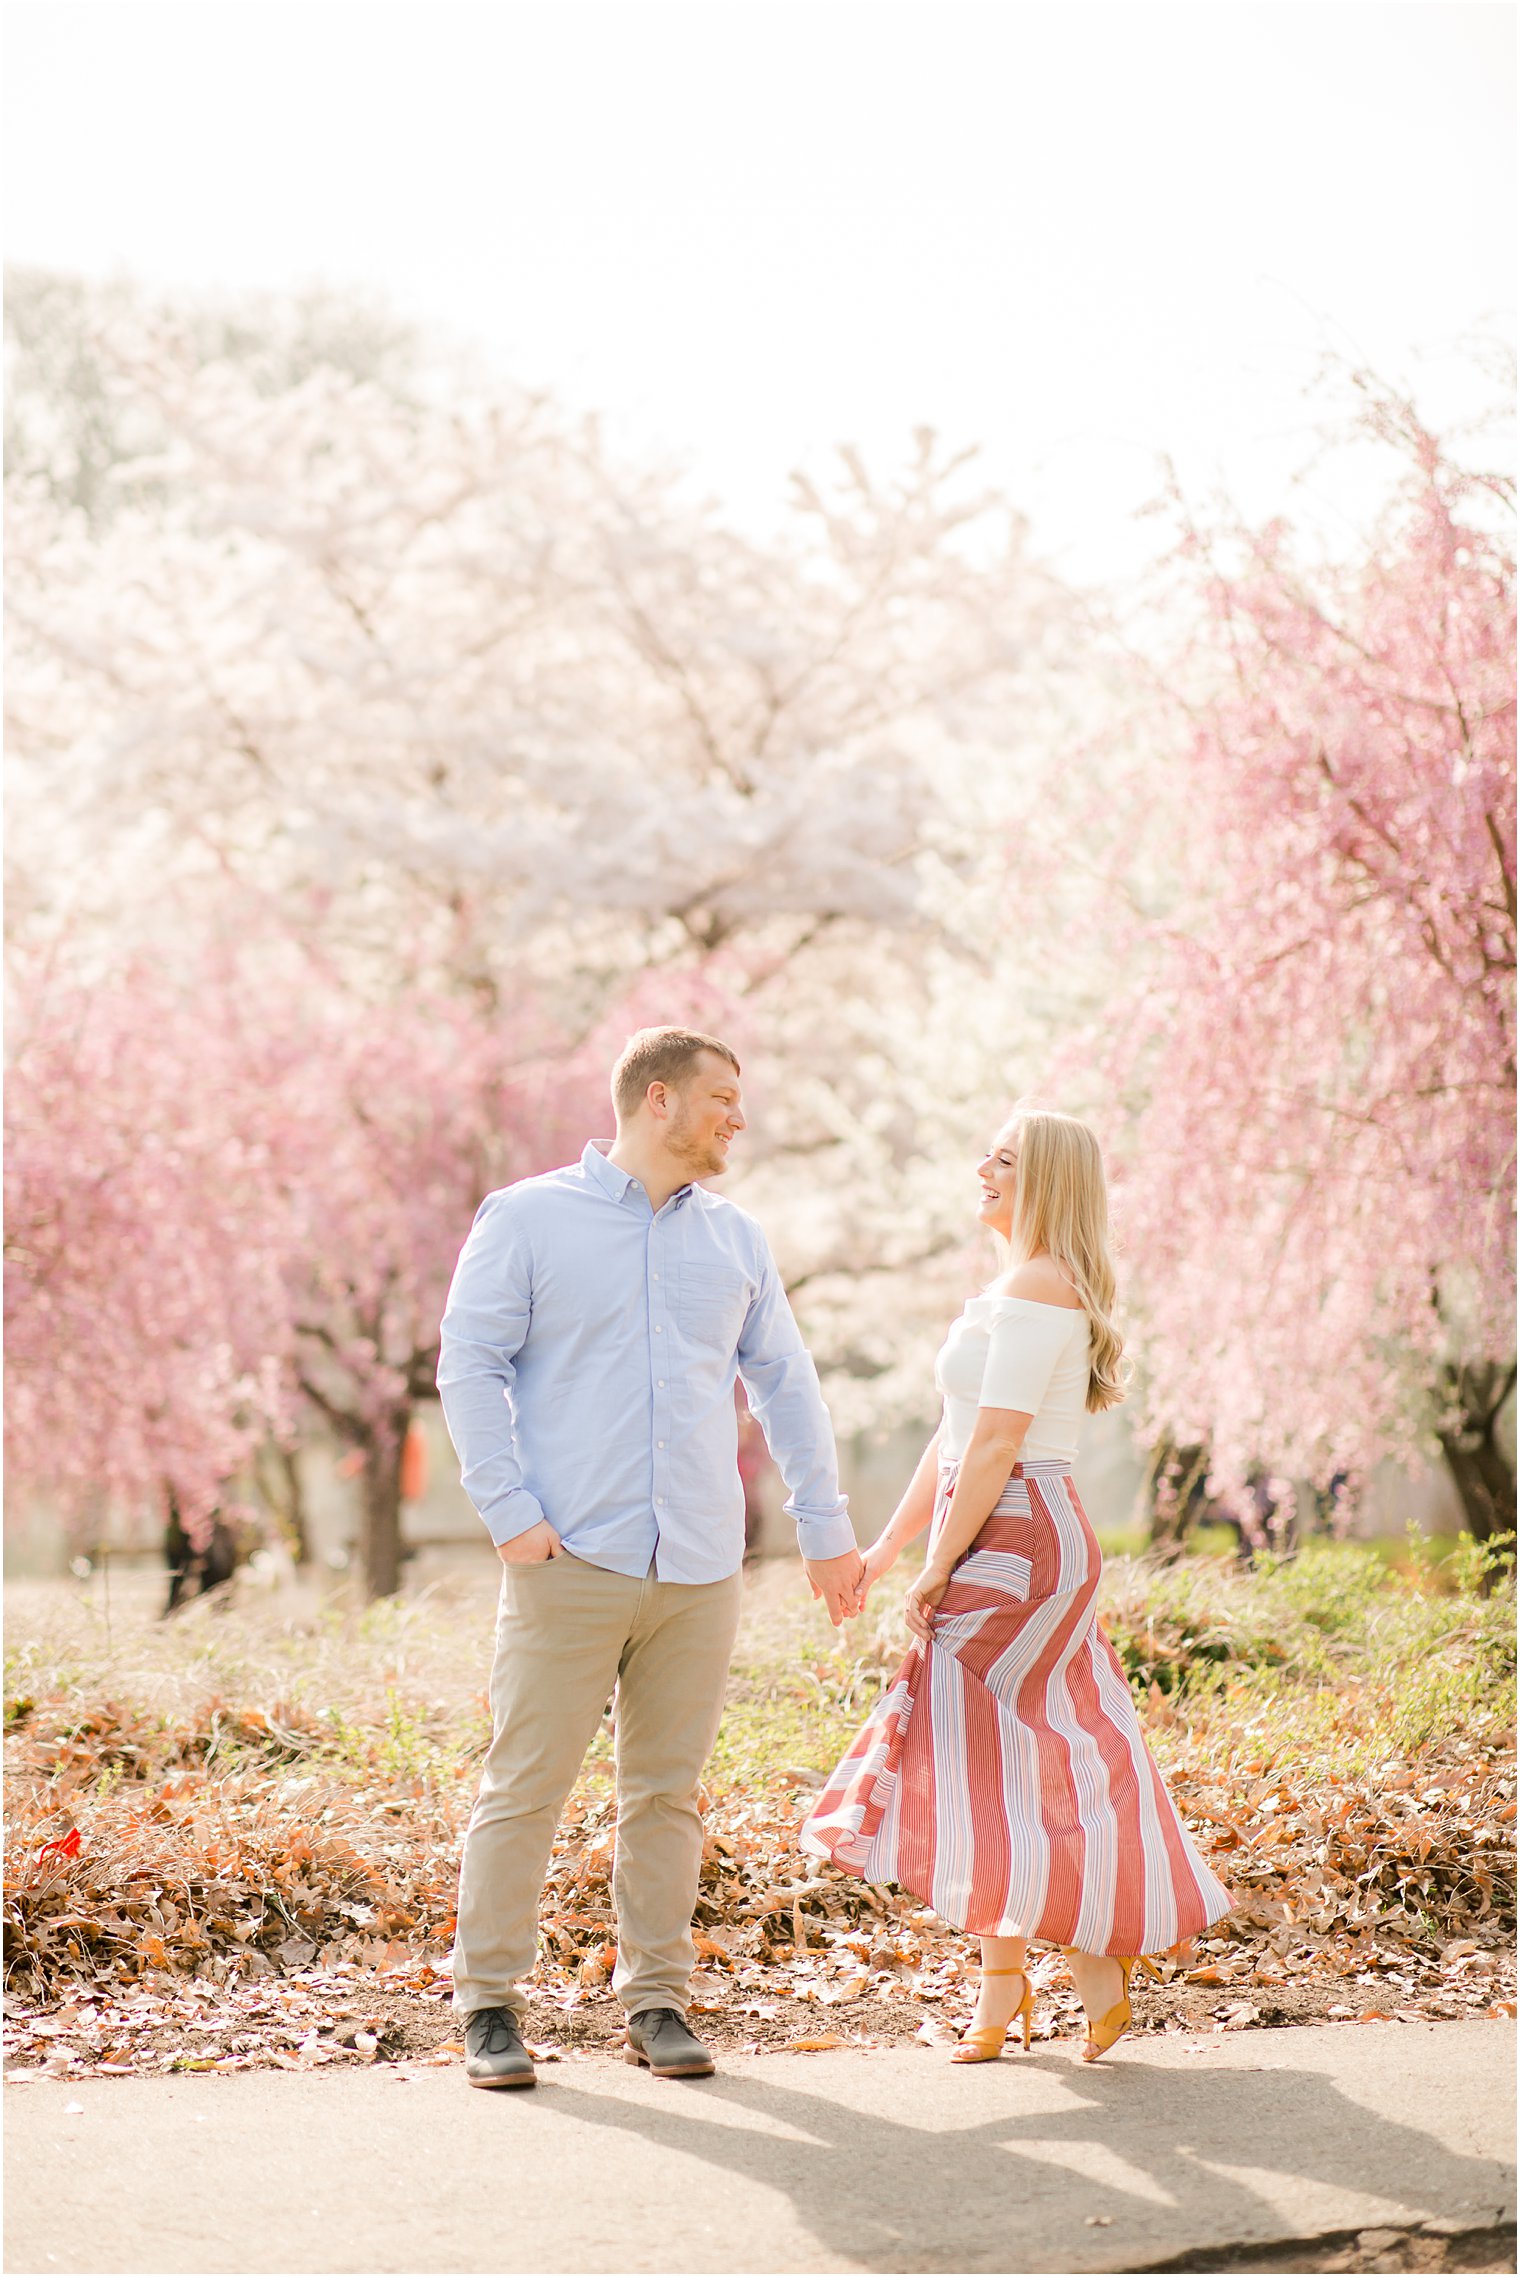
[{"x": 1003, "y": 1776}]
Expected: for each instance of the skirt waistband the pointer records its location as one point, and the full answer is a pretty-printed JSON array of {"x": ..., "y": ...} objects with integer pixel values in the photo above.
[{"x": 950, "y": 1464}]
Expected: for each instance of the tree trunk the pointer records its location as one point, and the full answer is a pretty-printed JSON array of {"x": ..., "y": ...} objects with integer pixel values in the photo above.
[
  {"x": 1176, "y": 1490},
  {"x": 1483, "y": 1473},
  {"x": 278, "y": 1473},
  {"x": 380, "y": 1542}
]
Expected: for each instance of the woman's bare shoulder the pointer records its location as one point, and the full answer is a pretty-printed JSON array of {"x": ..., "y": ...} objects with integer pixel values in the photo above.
[{"x": 1039, "y": 1281}]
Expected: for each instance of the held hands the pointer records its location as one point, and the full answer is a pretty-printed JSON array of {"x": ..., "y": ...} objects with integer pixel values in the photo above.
[
  {"x": 535, "y": 1547},
  {"x": 922, "y": 1598},
  {"x": 838, "y": 1582},
  {"x": 845, "y": 1583}
]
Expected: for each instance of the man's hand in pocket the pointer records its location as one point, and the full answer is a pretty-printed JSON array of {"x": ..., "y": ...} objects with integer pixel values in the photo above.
[{"x": 535, "y": 1547}]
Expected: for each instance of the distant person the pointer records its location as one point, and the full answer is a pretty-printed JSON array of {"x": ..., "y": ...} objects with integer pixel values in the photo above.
[
  {"x": 196, "y": 1568},
  {"x": 1003, "y": 1777},
  {"x": 594, "y": 1329}
]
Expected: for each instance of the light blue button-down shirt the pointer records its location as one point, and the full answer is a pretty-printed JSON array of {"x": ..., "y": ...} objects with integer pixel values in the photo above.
[{"x": 589, "y": 1351}]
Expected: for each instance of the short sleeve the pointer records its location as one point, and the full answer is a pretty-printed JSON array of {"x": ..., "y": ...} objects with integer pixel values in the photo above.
[{"x": 1026, "y": 1341}]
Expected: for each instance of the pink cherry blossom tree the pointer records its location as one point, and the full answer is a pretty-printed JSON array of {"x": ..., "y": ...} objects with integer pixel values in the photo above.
[
  {"x": 145, "y": 1312},
  {"x": 388, "y": 1121},
  {"x": 1316, "y": 1054},
  {"x": 236, "y": 1193}
]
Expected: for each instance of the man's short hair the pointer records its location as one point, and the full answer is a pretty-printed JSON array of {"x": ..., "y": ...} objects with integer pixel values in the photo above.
[{"x": 659, "y": 1055}]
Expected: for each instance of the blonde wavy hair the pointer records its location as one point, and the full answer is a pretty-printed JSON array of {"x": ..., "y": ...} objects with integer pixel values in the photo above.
[{"x": 1060, "y": 1207}]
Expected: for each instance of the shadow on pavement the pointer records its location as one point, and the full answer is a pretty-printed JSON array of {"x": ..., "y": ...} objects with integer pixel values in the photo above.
[{"x": 1145, "y": 2142}]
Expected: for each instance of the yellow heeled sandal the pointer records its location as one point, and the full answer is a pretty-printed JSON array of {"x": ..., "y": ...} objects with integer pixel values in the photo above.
[
  {"x": 984, "y": 2043},
  {"x": 1112, "y": 2026}
]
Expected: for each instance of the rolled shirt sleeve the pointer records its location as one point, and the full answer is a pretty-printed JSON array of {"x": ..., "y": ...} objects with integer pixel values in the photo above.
[
  {"x": 781, "y": 1385},
  {"x": 485, "y": 1322},
  {"x": 1026, "y": 1341}
]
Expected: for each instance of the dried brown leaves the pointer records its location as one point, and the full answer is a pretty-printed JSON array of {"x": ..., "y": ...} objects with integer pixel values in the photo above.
[
  {"x": 221, "y": 1922},
  {"x": 233, "y": 1884}
]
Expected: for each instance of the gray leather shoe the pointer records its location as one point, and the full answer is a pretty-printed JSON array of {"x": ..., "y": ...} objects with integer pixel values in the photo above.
[
  {"x": 494, "y": 2055},
  {"x": 658, "y": 2037}
]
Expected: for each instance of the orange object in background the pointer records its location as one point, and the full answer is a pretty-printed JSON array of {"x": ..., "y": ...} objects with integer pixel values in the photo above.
[{"x": 414, "y": 1464}]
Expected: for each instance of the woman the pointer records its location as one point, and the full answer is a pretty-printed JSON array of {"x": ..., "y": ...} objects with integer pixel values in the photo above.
[{"x": 1003, "y": 1777}]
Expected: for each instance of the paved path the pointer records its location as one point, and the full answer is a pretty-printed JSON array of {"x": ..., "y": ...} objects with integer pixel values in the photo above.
[{"x": 848, "y": 2160}]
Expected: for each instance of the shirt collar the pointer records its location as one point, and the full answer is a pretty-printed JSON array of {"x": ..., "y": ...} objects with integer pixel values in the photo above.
[
  {"x": 604, "y": 1173},
  {"x": 610, "y": 1178}
]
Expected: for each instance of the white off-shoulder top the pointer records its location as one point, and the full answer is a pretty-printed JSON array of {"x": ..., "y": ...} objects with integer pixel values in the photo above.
[{"x": 1013, "y": 1352}]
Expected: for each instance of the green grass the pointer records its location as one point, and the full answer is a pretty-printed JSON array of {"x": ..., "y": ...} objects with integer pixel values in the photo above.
[
  {"x": 1335, "y": 1649},
  {"x": 799, "y": 1689},
  {"x": 1335, "y": 1652}
]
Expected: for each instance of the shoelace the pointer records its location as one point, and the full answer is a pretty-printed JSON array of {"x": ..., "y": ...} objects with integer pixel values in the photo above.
[{"x": 501, "y": 2034}]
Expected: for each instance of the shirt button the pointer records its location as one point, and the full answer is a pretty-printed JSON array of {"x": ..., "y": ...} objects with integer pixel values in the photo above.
[
  {"x": 659, "y": 1442},
  {"x": 655, "y": 1276},
  {"x": 659, "y": 1383},
  {"x": 660, "y": 1499},
  {"x": 659, "y": 1331}
]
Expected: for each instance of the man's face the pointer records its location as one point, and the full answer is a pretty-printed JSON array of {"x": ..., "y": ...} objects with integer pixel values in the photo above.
[{"x": 706, "y": 1115}]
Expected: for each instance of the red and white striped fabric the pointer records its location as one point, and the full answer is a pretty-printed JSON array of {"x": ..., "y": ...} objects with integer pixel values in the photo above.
[{"x": 1003, "y": 1776}]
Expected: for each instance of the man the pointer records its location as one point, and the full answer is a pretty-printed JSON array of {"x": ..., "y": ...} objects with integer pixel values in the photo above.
[{"x": 593, "y": 1330}]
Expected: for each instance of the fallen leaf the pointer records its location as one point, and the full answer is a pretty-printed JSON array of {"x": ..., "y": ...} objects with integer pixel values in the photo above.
[{"x": 816, "y": 2042}]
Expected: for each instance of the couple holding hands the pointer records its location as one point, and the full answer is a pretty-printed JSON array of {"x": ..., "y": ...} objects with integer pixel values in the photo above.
[{"x": 597, "y": 1320}]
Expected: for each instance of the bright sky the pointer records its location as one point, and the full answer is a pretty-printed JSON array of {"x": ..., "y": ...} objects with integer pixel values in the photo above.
[{"x": 1080, "y": 235}]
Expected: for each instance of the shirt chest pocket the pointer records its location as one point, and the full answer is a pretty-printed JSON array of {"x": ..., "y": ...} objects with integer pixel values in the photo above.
[{"x": 711, "y": 1302}]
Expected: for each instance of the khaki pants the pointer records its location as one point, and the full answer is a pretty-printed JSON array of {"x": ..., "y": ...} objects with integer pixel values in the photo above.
[{"x": 566, "y": 1632}]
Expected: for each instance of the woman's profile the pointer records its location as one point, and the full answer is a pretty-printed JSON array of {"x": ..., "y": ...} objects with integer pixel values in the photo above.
[{"x": 1003, "y": 1776}]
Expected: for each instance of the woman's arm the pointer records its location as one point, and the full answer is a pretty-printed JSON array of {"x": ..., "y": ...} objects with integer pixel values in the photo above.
[
  {"x": 991, "y": 1452},
  {"x": 910, "y": 1517}
]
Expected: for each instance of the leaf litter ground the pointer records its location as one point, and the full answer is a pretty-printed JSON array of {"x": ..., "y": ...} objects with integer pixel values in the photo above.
[{"x": 232, "y": 1839}]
